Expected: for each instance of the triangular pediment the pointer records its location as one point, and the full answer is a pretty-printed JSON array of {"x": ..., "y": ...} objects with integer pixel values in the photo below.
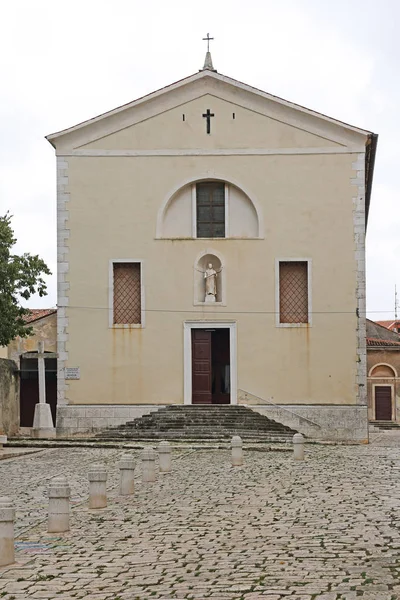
[
  {"x": 231, "y": 126},
  {"x": 171, "y": 118}
]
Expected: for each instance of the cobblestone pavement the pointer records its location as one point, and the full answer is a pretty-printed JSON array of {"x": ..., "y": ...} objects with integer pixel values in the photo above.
[{"x": 324, "y": 529}]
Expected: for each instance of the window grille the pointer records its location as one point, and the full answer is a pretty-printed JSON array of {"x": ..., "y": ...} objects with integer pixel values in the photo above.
[
  {"x": 210, "y": 205},
  {"x": 127, "y": 294},
  {"x": 293, "y": 292}
]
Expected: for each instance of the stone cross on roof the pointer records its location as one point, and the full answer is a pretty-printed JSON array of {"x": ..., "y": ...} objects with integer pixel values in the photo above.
[{"x": 208, "y": 64}]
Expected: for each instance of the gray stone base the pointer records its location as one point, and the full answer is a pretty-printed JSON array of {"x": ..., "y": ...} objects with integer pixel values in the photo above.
[
  {"x": 320, "y": 422},
  {"x": 336, "y": 423},
  {"x": 73, "y": 419},
  {"x": 43, "y": 422}
]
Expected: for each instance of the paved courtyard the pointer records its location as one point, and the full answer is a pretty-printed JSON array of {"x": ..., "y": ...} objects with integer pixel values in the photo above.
[{"x": 324, "y": 529}]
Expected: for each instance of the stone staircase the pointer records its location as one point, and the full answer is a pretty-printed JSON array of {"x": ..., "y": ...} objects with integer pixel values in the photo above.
[
  {"x": 202, "y": 423},
  {"x": 384, "y": 426}
]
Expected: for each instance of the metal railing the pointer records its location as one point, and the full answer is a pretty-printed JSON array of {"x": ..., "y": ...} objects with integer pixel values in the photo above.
[{"x": 280, "y": 407}]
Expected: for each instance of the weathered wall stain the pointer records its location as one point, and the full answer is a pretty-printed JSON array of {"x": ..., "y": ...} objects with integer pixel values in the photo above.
[{"x": 9, "y": 397}]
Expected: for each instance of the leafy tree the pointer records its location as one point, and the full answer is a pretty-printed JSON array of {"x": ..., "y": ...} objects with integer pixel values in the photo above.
[{"x": 20, "y": 277}]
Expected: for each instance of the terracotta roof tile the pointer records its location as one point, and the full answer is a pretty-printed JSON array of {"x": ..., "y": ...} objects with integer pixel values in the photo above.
[
  {"x": 392, "y": 325},
  {"x": 374, "y": 342},
  {"x": 38, "y": 313}
]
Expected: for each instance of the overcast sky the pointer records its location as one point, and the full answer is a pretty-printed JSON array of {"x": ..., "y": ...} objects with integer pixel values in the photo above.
[{"x": 64, "y": 62}]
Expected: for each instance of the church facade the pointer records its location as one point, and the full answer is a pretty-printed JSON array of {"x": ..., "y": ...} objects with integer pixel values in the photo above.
[{"x": 211, "y": 250}]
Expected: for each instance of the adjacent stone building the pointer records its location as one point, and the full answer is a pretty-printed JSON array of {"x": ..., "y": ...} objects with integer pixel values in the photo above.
[
  {"x": 383, "y": 353},
  {"x": 24, "y": 370},
  {"x": 211, "y": 250}
]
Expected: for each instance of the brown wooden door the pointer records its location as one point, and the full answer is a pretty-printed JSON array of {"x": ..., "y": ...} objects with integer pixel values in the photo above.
[
  {"x": 28, "y": 398},
  {"x": 201, "y": 366},
  {"x": 383, "y": 403},
  {"x": 29, "y": 389},
  {"x": 220, "y": 366}
]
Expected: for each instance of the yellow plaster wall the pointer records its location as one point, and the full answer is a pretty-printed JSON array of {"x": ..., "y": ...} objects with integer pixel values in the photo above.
[{"x": 306, "y": 202}]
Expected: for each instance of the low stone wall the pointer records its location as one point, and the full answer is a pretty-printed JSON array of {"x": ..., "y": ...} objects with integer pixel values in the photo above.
[
  {"x": 77, "y": 420},
  {"x": 332, "y": 422},
  {"x": 336, "y": 423},
  {"x": 9, "y": 397}
]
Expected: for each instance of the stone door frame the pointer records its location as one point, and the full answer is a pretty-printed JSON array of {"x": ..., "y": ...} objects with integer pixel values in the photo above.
[{"x": 187, "y": 355}]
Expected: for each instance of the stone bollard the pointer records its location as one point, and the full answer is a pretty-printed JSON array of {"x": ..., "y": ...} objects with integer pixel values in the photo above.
[
  {"x": 164, "y": 453},
  {"x": 59, "y": 495},
  {"x": 298, "y": 446},
  {"x": 237, "y": 451},
  {"x": 3, "y": 440},
  {"x": 126, "y": 471},
  {"x": 98, "y": 486},
  {"x": 7, "y": 515},
  {"x": 148, "y": 465}
]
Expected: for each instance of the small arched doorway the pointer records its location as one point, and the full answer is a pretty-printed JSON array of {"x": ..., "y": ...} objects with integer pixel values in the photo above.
[
  {"x": 383, "y": 392},
  {"x": 29, "y": 387}
]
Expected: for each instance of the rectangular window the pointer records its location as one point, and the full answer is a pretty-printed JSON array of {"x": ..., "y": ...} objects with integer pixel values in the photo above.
[
  {"x": 210, "y": 209},
  {"x": 293, "y": 292},
  {"x": 127, "y": 296}
]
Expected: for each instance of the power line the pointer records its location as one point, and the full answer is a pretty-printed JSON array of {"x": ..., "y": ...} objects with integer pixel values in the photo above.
[{"x": 229, "y": 312}]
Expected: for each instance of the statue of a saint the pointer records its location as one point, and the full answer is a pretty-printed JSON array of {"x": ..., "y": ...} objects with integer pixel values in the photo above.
[{"x": 210, "y": 275}]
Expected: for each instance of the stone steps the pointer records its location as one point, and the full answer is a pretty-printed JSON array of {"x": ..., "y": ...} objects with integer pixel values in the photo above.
[
  {"x": 212, "y": 422},
  {"x": 204, "y": 423},
  {"x": 388, "y": 425}
]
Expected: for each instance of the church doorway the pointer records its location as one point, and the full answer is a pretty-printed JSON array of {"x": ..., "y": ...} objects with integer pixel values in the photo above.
[
  {"x": 29, "y": 388},
  {"x": 383, "y": 402},
  {"x": 210, "y": 363}
]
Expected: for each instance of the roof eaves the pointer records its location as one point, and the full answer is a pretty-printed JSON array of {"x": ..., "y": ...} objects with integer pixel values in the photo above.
[
  {"x": 40, "y": 314},
  {"x": 114, "y": 111},
  {"x": 370, "y": 154},
  {"x": 374, "y": 342},
  {"x": 195, "y": 77}
]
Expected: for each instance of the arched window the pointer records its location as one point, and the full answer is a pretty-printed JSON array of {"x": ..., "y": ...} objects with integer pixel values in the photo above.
[{"x": 208, "y": 209}]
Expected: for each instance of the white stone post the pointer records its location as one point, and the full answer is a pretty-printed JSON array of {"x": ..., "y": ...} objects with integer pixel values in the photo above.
[
  {"x": 43, "y": 426},
  {"x": 126, "y": 472},
  {"x": 148, "y": 465},
  {"x": 164, "y": 454},
  {"x": 97, "y": 486},
  {"x": 298, "y": 446},
  {"x": 237, "y": 451},
  {"x": 59, "y": 495},
  {"x": 3, "y": 440},
  {"x": 7, "y": 516}
]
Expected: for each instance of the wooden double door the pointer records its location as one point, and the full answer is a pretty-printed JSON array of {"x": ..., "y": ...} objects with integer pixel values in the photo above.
[{"x": 211, "y": 372}]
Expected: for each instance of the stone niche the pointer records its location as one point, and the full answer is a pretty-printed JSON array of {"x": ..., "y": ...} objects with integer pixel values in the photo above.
[{"x": 200, "y": 267}]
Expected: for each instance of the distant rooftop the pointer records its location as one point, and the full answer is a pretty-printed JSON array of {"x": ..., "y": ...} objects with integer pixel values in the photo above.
[
  {"x": 38, "y": 313},
  {"x": 392, "y": 324}
]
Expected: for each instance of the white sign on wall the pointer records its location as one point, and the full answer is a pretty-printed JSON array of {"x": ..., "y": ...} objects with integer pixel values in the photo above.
[{"x": 72, "y": 372}]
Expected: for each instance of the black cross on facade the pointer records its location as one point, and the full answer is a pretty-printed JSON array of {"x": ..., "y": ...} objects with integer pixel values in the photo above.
[
  {"x": 208, "y": 116},
  {"x": 208, "y": 39}
]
